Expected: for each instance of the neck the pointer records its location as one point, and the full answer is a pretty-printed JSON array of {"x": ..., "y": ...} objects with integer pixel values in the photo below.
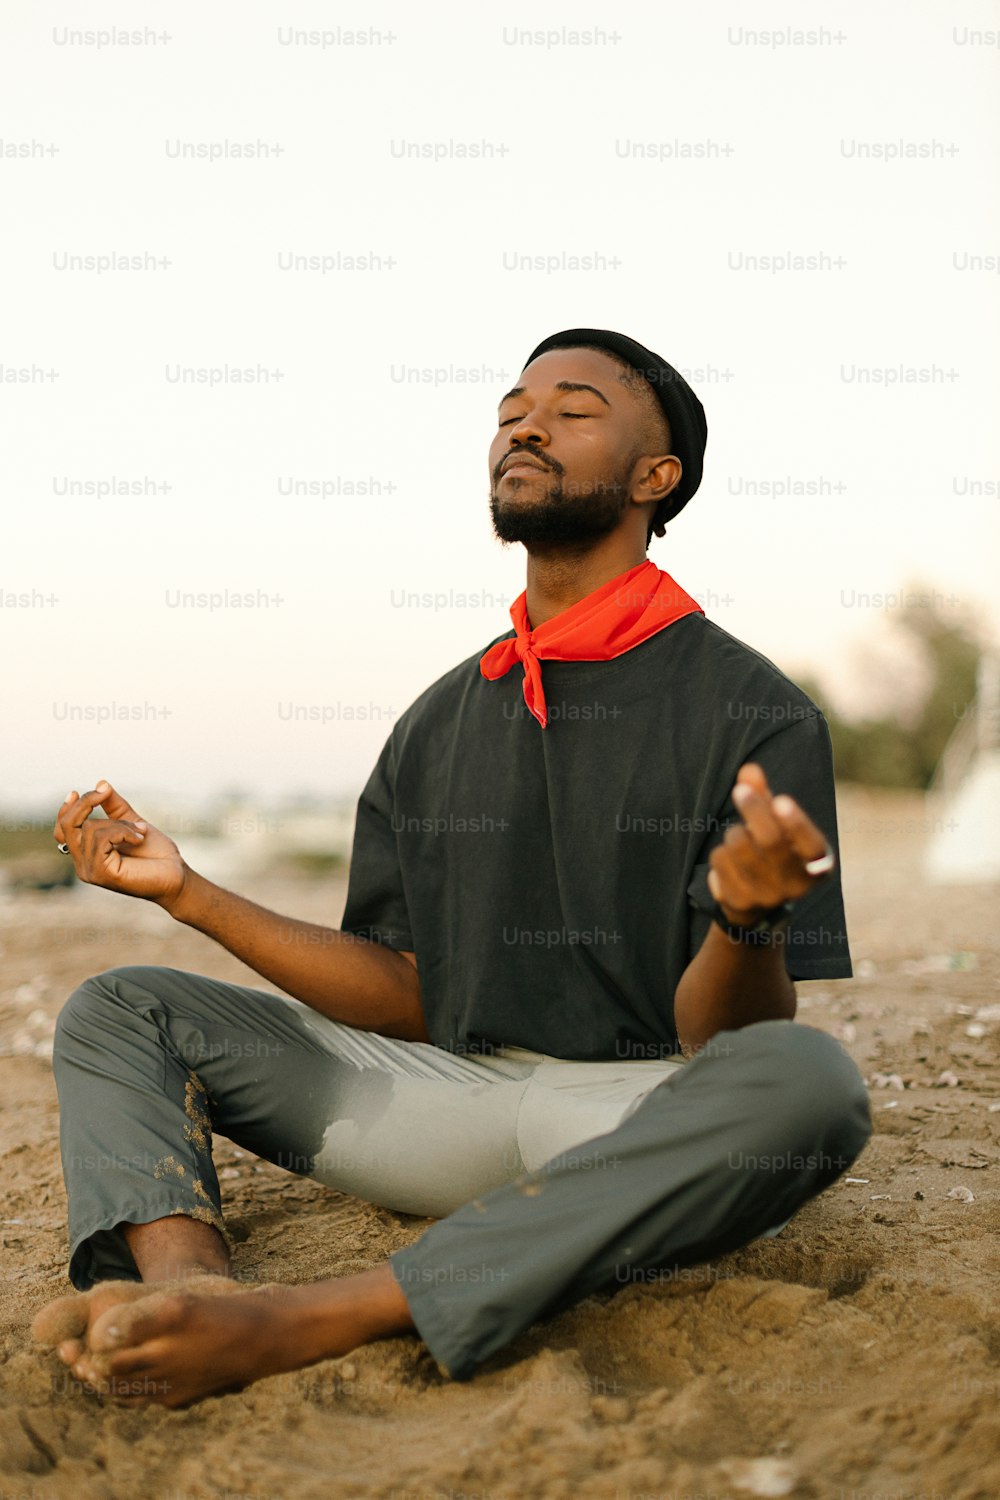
[{"x": 559, "y": 578}]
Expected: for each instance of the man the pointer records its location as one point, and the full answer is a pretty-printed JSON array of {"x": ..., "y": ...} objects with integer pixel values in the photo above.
[{"x": 558, "y": 1013}]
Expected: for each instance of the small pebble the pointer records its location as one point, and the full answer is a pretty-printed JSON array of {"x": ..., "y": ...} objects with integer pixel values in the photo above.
[
  {"x": 963, "y": 1194},
  {"x": 761, "y": 1476}
]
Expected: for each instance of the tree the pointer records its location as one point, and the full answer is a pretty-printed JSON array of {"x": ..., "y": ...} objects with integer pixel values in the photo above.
[{"x": 887, "y": 752}]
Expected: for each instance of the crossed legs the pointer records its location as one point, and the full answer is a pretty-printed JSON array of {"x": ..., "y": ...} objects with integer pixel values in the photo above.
[{"x": 756, "y": 1124}]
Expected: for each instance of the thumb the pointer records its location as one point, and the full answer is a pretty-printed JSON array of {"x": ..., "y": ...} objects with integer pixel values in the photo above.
[{"x": 114, "y": 803}]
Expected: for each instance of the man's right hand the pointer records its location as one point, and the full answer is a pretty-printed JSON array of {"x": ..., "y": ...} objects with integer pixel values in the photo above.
[{"x": 119, "y": 851}]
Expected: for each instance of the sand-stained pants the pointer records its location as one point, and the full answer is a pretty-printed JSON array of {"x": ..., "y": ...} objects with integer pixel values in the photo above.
[{"x": 557, "y": 1178}]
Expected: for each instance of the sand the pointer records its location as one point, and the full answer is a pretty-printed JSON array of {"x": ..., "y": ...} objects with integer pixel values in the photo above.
[{"x": 856, "y": 1355}]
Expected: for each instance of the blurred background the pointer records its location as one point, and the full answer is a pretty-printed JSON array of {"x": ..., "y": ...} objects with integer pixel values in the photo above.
[{"x": 267, "y": 277}]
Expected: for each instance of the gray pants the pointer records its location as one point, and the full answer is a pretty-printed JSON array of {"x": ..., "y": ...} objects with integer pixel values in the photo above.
[{"x": 557, "y": 1178}]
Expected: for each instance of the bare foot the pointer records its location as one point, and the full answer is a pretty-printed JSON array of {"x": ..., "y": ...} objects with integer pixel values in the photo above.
[
  {"x": 175, "y": 1343},
  {"x": 178, "y": 1346},
  {"x": 67, "y": 1324}
]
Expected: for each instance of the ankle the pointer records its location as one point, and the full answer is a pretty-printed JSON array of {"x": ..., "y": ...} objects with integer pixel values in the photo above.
[
  {"x": 335, "y": 1316},
  {"x": 201, "y": 1268},
  {"x": 166, "y": 1270}
]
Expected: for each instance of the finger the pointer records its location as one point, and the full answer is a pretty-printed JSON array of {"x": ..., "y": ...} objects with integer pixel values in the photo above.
[
  {"x": 112, "y": 839},
  {"x": 78, "y": 813},
  {"x": 64, "y": 806},
  {"x": 800, "y": 830},
  {"x": 754, "y": 807},
  {"x": 740, "y": 858},
  {"x": 738, "y": 845},
  {"x": 736, "y": 887},
  {"x": 114, "y": 803},
  {"x": 106, "y": 856},
  {"x": 751, "y": 774}
]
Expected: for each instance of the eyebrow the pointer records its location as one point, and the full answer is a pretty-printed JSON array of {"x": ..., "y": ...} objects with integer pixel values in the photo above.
[{"x": 561, "y": 385}]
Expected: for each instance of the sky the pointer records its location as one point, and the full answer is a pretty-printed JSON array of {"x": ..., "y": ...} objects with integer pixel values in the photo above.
[{"x": 209, "y": 582}]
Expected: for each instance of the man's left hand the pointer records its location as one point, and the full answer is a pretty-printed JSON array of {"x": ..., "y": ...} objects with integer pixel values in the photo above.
[{"x": 762, "y": 861}]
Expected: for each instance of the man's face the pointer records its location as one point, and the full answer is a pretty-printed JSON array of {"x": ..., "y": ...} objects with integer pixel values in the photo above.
[{"x": 579, "y": 430}]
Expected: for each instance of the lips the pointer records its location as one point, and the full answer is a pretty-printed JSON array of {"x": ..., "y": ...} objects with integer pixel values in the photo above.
[{"x": 519, "y": 461}]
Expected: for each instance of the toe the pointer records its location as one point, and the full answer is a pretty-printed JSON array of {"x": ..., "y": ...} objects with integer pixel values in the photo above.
[
  {"x": 66, "y": 1318},
  {"x": 129, "y": 1362},
  {"x": 83, "y": 1370},
  {"x": 69, "y": 1317},
  {"x": 135, "y": 1322},
  {"x": 110, "y": 1330},
  {"x": 109, "y": 1294}
]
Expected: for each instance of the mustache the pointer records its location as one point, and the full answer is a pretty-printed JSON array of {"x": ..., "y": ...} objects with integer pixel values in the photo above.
[{"x": 531, "y": 454}]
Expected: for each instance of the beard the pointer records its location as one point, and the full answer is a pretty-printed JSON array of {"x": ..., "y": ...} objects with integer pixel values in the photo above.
[{"x": 555, "y": 519}]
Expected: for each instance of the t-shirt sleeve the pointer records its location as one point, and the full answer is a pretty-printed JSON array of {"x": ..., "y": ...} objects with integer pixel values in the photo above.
[
  {"x": 798, "y": 760},
  {"x": 376, "y": 902}
]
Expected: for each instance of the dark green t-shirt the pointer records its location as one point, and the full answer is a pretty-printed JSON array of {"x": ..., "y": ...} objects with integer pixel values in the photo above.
[{"x": 552, "y": 882}]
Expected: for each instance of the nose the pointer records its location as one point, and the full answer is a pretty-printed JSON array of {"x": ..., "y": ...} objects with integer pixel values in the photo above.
[{"x": 527, "y": 431}]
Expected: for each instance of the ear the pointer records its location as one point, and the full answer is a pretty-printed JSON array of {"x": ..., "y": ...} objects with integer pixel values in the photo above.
[{"x": 655, "y": 477}]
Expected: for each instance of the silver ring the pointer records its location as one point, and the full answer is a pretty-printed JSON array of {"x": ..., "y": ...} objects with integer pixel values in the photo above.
[
  {"x": 63, "y": 848},
  {"x": 823, "y": 864}
]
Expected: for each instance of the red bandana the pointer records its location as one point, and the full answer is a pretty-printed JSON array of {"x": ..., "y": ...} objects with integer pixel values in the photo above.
[{"x": 608, "y": 622}]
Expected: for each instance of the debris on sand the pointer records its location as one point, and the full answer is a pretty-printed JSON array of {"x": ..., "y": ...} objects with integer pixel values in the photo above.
[
  {"x": 887, "y": 1081},
  {"x": 761, "y": 1476}
]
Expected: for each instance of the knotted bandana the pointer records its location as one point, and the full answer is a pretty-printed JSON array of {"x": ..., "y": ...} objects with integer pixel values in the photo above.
[{"x": 619, "y": 615}]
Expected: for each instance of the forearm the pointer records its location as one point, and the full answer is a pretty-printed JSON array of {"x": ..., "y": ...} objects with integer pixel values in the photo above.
[
  {"x": 364, "y": 984},
  {"x": 728, "y": 985}
]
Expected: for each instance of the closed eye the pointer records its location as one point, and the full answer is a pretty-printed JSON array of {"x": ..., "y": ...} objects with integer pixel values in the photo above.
[{"x": 508, "y": 420}]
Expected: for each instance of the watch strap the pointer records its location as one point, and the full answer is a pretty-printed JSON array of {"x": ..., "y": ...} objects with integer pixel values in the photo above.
[{"x": 766, "y": 931}]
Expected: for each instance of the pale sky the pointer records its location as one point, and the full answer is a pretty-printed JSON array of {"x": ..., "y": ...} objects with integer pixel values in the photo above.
[{"x": 872, "y": 148}]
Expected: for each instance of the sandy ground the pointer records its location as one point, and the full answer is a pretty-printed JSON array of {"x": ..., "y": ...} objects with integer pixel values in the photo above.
[{"x": 856, "y": 1356}]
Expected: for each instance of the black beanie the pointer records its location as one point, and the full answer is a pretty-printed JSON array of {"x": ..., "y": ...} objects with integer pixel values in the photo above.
[{"x": 681, "y": 407}]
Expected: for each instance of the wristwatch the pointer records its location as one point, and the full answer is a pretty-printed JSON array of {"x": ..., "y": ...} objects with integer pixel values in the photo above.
[{"x": 765, "y": 932}]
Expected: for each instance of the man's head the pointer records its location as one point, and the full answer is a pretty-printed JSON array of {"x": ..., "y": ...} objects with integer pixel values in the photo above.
[{"x": 590, "y": 414}]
